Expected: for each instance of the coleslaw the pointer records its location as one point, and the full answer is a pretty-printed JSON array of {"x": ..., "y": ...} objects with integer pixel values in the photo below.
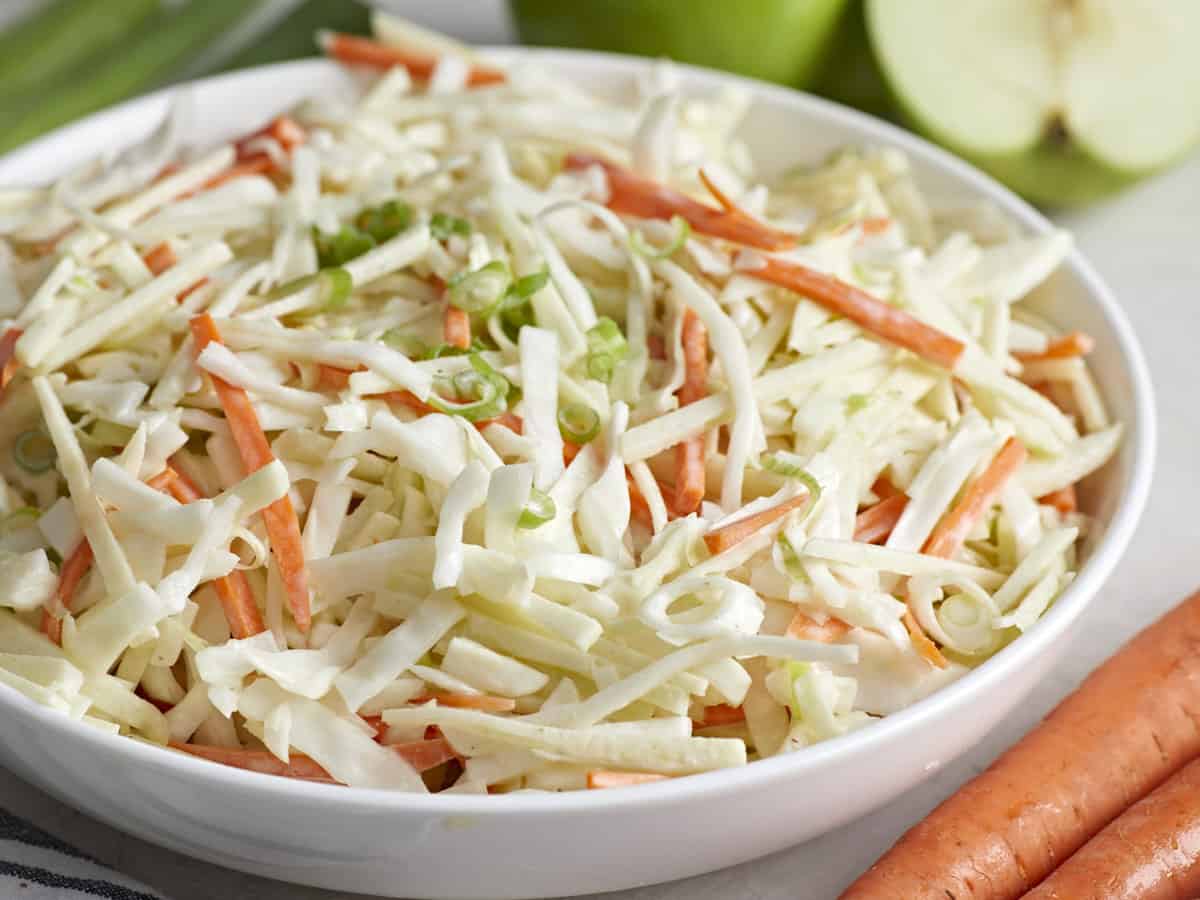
[{"x": 471, "y": 433}]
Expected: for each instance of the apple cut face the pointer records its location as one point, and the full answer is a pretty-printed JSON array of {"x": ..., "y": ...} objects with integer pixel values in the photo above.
[{"x": 1064, "y": 99}]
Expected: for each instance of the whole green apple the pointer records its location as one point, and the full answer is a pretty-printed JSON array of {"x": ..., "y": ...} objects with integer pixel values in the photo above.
[{"x": 776, "y": 40}]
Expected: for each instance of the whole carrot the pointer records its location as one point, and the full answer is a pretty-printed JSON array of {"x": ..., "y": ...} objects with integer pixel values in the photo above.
[
  {"x": 1127, "y": 728},
  {"x": 1149, "y": 852}
]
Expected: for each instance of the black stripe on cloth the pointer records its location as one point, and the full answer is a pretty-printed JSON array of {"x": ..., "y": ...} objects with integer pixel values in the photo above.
[
  {"x": 89, "y": 886},
  {"x": 13, "y": 828}
]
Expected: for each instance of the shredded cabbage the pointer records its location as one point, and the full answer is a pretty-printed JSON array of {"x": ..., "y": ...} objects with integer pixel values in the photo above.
[{"x": 436, "y": 467}]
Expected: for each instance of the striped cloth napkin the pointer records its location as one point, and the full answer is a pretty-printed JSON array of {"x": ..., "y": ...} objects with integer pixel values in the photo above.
[{"x": 36, "y": 866}]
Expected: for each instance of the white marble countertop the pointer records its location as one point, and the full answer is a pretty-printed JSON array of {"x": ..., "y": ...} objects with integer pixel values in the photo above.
[{"x": 1147, "y": 244}]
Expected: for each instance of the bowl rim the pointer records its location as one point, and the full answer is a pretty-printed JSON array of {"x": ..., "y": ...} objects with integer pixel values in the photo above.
[{"x": 1141, "y": 436}]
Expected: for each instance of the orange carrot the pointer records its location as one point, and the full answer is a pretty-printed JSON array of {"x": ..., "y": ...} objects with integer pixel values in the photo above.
[
  {"x": 656, "y": 346},
  {"x": 632, "y": 195},
  {"x": 721, "y": 714},
  {"x": 883, "y": 488},
  {"x": 1064, "y": 500},
  {"x": 427, "y": 754},
  {"x": 72, "y": 572},
  {"x": 723, "y": 200},
  {"x": 159, "y": 258},
  {"x": 1125, "y": 730},
  {"x": 600, "y": 778},
  {"x": 359, "y": 51},
  {"x": 283, "y": 129},
  {"x": 282, "y": 525},
  {"x": 723, "y": 538},
  {"x": 926, "y": 648},
  {"x": 255, "y": 165},
  {"x": 870, "y": 313},
  {"x": 689, "y": 454},
  {"x": 947, "y": 539},
  {"x": 8, "y": 358},
  {"x": 162, "y": 481},
  {"x": 639, "y": 509},
  {"x": 876, "y": 225},
  {"x": 874, "y": 524},
  {"x": 233, "y": 590},
  {"x": 482, "y": 702},
  {"x": 807, "y": 628},
  {"x": 333, "y": 378},
  {"x": 1149, "y": 852},
  {"x": 1077, "y": 343},
  {"x": 456, "y": 327}
]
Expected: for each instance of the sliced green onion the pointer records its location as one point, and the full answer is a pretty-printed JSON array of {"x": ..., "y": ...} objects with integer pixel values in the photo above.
[
  {"x": 856, "y": 403},
  {"x": 786, "y": 464},
  {"x": 443, "y": 226},
  {"x": 337, "y": 249},
  {"x": 538, "y": 511},
  {"x": 385, "y": 221},
  {"x": 606, "y": 348},
  {"x": 681, "y": 232},
  {"x": 524, "y": 288},
  {"x": 485, "y": 390},
  {"x": 578, "y": 423},
  {"x": 333, "y": 288},
  {"x": 410, "y": 345},
  {"x": 22, "y": 517},
  {"x": 479, "y": 292},
  {"x": 437, "y": 351},
  {"x": 34, "y": 452}
]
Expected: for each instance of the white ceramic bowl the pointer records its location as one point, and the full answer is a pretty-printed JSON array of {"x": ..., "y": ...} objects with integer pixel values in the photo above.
[{"x": 550, "y": 845}]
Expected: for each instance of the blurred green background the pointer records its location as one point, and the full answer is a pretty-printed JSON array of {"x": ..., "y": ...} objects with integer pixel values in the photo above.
[
  {"x": 997, "y": 83},
  {"x": 61, "y": 59}
]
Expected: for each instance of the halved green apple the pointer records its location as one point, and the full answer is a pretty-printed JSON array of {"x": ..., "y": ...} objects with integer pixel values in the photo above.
[{"x": 1064, "y": 100}]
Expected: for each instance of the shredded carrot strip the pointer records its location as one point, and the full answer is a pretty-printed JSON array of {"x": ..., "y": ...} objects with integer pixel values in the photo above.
[
  {"x": 72, "y": 572},
  {"x": 656, "y": 346},
  {"x": 883, "y": 488},
  {"x": 734, "y": 533},
  {"x": 1064, "y": 500},
  {"x": 723, "y": 199},
  {"x": 427, "y": 754},
  {"x": 603, "y": 779},
  {"x": 360, "y": 51},
  {"x": 952, "y": 531},
  {"x": 8, "y": 358},
  {"x": 233, "y": 590},
  {"x": 721, "y": 714},
  {"x": 876, "y": 225},
  {"x": 283, "y": 129},
  {"x": 872, "y": 314},
  {"x": 806, "y": 628},
  {"x": 874, "y": 524},
  {"x": 483, "y": 702},
  {"x": 1077, "y": 343},
  {"x": 456, "y": 327},
  {"x": 927, "y": 649},
  {"x": 280, "y": 517},
  {"x": 633, "y": 195},
  {"x": 689, "y": 454},
  {"x": 159, "y": 258},
  {"x": 255, "y": 165}
]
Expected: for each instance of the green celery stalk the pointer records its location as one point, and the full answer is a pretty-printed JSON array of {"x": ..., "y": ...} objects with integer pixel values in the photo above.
[
  {"x": 145, "y": 60},
  {"x": 52, "y": 40}
]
